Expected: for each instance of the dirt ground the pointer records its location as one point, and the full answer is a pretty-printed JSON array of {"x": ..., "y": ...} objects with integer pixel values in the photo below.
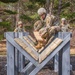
[{"x": 47, "y": 70}]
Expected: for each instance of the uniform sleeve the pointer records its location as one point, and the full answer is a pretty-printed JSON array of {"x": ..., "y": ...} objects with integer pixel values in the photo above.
[
  {"x": 69, "y": 26},
  {"x": 37, "y": 25},
  {"x": 49, "y": 20}
]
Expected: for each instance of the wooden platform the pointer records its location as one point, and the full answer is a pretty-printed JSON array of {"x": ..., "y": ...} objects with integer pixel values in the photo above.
[
  {"x": 49, "y": 49},
  {"x": 43, "y": 54},
  {"x": 26, "y": 48},
  {"x": 19, "y": 48}
]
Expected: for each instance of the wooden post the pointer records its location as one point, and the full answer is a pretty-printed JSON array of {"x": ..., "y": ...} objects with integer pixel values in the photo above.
[
  {"x": 56, "y": 62},
  {"x": 12, "y": 62},
  {"x": 56, "y": 59},
  {"x": 10, "y": 57},
  {"x": 64, "y": 57},
  {"x": 16, "y": 57},
  {"x": 21, "y": 57}
]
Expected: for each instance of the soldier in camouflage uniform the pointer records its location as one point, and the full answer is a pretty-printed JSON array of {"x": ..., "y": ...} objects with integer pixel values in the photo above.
[
  {"x": 44, "y": 27},
  {"x": 20, "y": 27},
  {"x": 64, "y": 25}
]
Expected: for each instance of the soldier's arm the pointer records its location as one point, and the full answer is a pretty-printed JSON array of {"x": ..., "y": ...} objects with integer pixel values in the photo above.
[
  {"x": 69, "y": 26},
  {"x": 37, "y": 25}
]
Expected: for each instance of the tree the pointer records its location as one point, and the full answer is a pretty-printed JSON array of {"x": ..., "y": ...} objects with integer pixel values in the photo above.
[{"x": 8, "y": 1}]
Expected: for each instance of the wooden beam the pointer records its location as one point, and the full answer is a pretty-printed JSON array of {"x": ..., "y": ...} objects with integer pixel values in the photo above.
[
  {"x": 49, "y": 41},
  {"x": 27, "y": 49},
  {"x": 49, "y": 49},
  {"x": 30, "y": 42},
  {"x": 11, "y": 40},
  {"x": 10, "y": 57},
  {"x": 41, "y": 65}
]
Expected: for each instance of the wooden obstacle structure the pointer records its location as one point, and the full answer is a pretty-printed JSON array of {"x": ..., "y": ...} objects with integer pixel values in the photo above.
[{"x": 20, "y": 48}]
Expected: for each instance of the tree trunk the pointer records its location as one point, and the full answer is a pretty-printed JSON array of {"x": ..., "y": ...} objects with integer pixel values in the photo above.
[
  {"x": 18, "y": 12},
  {"x": 47, "y": 5},
  {"x": 59, "y": 9},
  {"x": 51, "y": 7}
]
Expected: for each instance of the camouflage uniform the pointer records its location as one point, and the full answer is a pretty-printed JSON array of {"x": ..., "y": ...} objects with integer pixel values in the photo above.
[
  {"x": 48, "y": 27},
  {"x": 64, "y": 25},
  {"x": 45, "y": 28},
  {"x": 65, "y": 28},
  {"x": 38, "y": 25},
  {"x": 18, "y": 29}
]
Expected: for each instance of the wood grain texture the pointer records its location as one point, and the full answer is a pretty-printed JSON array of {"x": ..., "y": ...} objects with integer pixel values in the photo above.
[
  {"x": 30, "y": 43},
  {"x": 27, "y": 49},
  {"x": 49, "y": 49}
]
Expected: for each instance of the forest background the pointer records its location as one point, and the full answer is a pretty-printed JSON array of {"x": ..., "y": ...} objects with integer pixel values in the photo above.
[{"x": 11, "y": 11}]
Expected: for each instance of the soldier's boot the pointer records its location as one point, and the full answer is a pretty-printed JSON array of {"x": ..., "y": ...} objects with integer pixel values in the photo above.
[{"x": 41, "y": 44}]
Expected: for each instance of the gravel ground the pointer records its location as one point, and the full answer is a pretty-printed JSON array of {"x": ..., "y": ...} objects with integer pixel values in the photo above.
[{"x": 48, "y": 70}]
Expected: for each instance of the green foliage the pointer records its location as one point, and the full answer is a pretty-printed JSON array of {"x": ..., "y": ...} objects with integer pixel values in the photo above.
[
  {"x": 65, "y": 5},
  {"x": 34, "y": 16},
  {"x": 5, "y": 25},
  {"x": 10, "y": 12},
  {"x": 30, "y": 5},
  {"x": 28, "y": 27},
  {"x": 8, "y": 1},
  {"x": 25, "y": 17},
  {"x": 69, "y": 15},
  {"x": 38, "y": 1},
  {"x": 1, "y": 36},
  {"x": 29, "y": 18}
]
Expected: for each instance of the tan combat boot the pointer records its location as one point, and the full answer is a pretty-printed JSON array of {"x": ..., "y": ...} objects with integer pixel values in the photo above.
[{"x": 41, "y": 44}]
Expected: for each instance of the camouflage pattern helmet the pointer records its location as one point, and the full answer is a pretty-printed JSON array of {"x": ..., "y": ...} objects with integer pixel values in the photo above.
[
  {"x": 63, "y": 19},
  {"x": 20, "y": 22},
  {"x": 41, "y": 11}
]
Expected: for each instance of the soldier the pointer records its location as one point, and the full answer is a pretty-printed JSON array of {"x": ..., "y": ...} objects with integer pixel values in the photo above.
[
  {"x": 64, "y": 25},
  {"x": 46, "y": 29},
  {"x": 20, "y": 27}
]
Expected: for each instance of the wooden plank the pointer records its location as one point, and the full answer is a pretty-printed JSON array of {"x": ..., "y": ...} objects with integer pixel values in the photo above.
[
  {"x": 27, "y": 49},
  {"x": 33, "y": 40},
  {"x": 19, "y": 41},
  {"x": 61, "y": 35},
  {"x": 16, "y": 56},
  {"x": 11, "y": 40},
  {"x": 49, "y": 49},
  {"x": 29, "y": 67},
  {"x": 41, "y": 65},
  {"x": 30, "y": 42},
  {"x": 10, "y": 58},
  {"x": 21, "y": 57},
  {"x": 55, "y": 59},
  {"x": 49, "y": 41},
  {"x": 56, "y": 62},
  {"x": 66, "y": 60},
  {"x": 36, "y": 53}
]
